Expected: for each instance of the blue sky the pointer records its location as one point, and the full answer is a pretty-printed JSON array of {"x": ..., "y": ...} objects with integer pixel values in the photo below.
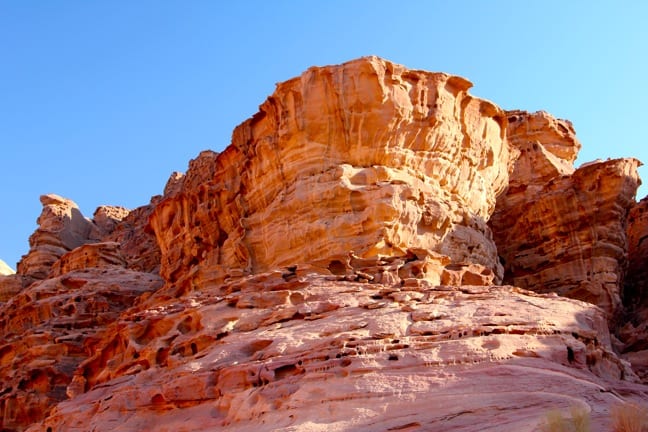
[{"x": 101, "y": 100}]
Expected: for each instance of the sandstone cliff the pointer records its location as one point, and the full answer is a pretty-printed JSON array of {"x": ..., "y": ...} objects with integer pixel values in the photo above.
[
  {"x": 563, "y": 230},
  {"x": 339, "y": 266}
]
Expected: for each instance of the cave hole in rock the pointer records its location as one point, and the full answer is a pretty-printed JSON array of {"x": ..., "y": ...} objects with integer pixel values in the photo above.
[{"x": 337, "y": 267}]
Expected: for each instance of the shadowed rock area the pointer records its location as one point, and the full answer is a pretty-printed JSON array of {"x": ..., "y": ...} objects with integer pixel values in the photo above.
[{"x": 375, "y": 250}]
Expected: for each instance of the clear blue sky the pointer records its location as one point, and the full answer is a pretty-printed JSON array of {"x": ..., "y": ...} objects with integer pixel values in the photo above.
[{"x": 101, "y": 100}]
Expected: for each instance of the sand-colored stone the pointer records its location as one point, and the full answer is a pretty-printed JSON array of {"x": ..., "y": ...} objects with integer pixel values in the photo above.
[
  {"x": 136, "y": 239},
  {"x": 294, "y": 350},
  {"x": 47, "y": 329},
  {"x": 365, "y": 157},
  {"x": 332, "y": 270},
  {"x": 61, "y": 228},
  {"x": 636, "y": 292},
  {"x": 106, "y": 219},
  {"x": 634, "y": 332},
  {"x": 10, "y": 285},
  {"x": 563, "y": 230},
  {"x": 94, "y": 255}
]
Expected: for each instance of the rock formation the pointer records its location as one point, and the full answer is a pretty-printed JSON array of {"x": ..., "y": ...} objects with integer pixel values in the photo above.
[
  {"x": 634, "y": 332},
  {"x": 563, "y": 230},
  {"x": 61, "y": 228},
  {"x": 339, "y": 266},
  {"x": 388, "y": 159}
]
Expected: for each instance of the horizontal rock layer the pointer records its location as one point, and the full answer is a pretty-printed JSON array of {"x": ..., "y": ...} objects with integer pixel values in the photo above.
[
  {"x": 563, "y": 230},
  {"x": 294, "y": 350},
  {"x": 366, "y": 157},
  {"x": 46, "y": 331},
  {"x": 335, "y": 269}
]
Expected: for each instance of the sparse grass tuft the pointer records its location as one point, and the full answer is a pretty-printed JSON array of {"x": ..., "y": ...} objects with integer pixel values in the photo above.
[
  {"x": 629, "y": 417},
  {"x": 579, "y": 421}
]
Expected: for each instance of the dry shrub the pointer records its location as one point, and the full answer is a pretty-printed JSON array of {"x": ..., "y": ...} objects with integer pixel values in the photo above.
[
  {"x": 629, "y": 417},
  {"x": 579, "y": 421}
]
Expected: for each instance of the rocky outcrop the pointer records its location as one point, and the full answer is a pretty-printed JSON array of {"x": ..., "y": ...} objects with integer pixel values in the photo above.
[
  {"x": 46, "y": 331},
  {"x": 11, "y": 285},
  {"x": 136, "y": 239},
  {"x": 94, "y": 255},
  {"x": 366, "y": 157},
  {"x": 563, "y": 230},
  {"x": 634, "y": 333},
  {"x": 294, "y": 350},
  {"x": 636, "y": 292},
  {"x": 61, "y": 228},
  {"x": 335, "y": 269}
]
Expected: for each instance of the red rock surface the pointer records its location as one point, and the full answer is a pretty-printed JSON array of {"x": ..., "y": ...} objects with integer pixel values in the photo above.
[
  {"x": 634, "y": 334},
  {"x": 384, "y": 157},
  {"x": 563, "y": 230},
  {"x": 294, "y": 350},
  {"x": 335, "y": 269},
  {"x": 46, "y": 331}
]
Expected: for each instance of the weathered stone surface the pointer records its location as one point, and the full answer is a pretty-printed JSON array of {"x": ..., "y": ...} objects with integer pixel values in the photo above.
[
  {"x": 5, "y": 269},
  {"x": 556, "y": 136},
  {"x": 10, "y": 285},
  {"x": 634, "y": 332},
  {"x": 563, "y": 230},
  {"x": 95, "y": 255},
  {"x": 365, "y": 157},
  {"x": 636, "y": 292},
  {"x": 47, "y": 329},
  {"x": 294, "y": 350},
  {"x": 333, "y": 269},
  {"x": 106, "y": 219},
  {"x": 61, "y": 228},
  {"x": 137, "y": 241},
  {"x": 115, "y": 236}
]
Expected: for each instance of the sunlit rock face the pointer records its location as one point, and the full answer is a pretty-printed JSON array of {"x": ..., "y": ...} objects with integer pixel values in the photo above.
[
  {"x": 61, "y": 228},
  {"x": 46, "y": 330},
  {"x": 294, "y": 350},
  {"x": 366, "y": 157},
  {"x": 338, "y": 267},
  {"x": 559, "y": 229}
]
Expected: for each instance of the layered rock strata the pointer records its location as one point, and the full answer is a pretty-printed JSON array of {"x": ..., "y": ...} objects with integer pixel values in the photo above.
[
  {"x": 388, "y": 159},
  {"x": 294, "y": 350},
  {"x": 634, "y": 332},
  {"x": 334, "y": 269},
  {"x": 563, "y": 230},
  {"x": 78, "y": 276},
  {"x": 61, "y": 228},
  {"x": 46, "y": 331}
]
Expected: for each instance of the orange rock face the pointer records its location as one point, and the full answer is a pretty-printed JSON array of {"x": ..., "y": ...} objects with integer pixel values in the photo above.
[
  {"x": 367, "y": 157},
  {"x": 339, "y": 267},
  {"x": 563, "y": 230},
  {"x": 62, "y": 228},
  {"x": 46, "y": 331}
]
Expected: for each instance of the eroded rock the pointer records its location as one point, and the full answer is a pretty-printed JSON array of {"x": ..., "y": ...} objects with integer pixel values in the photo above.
[
  {"x": 61, "y": 228},
  {"x": 366, "y": 157},
  {"x": 47, "y": 330},
  {"x": 269, "y": 351},
  {"x": 334, "y": 269},
  {"x": 559, "y": 229}
]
